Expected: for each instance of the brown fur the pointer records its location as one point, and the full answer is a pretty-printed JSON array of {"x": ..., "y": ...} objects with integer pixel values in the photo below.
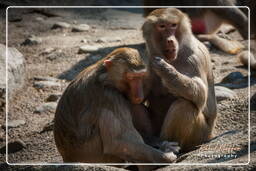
[
  {"x": 93, "y": 122},
  {"x": 181, "y": 95},
  {"x": 243, "y": 58}
]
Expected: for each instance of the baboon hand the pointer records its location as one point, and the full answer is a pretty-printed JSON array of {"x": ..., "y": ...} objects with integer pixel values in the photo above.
[
  {"x": 167, "y": 146},
  {"x": 160, "y": 66}
]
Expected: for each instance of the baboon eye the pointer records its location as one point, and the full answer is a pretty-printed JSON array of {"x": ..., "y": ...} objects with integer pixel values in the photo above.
[
  {"x": 161, "y": 26},
  {"x": 174, "y": 25}
]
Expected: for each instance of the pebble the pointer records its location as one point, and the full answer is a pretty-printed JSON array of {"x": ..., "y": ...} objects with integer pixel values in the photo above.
[
  {"x": 60, "y": 25},
  {"x": 32, "y": 40},
  {"x": 87, "y": 49},
  {"x": 45, "y": 84},
  {"x": 39, "y": 19},
  {"x": 45, "y": 79},
  {"x": 223, "y": 93},
  {"x": 14, "y": 123},
  {"x": 107, "y": 39},
  {"x": 57, "y": 54},
  {"x": 80, "y": 28},
  {"x": 53, "y": 97},
  {"x": 50, "y": 106},
  {"x": 13, "y": 147},
  {"x": 232, "y": 77},
  {"x": 84, "y": 41},
  {"x": 48, "y": 51},
  {"x": 48, "y": 127}
]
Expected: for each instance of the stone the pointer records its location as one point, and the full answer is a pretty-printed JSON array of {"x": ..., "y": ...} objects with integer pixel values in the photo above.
[
  {"x": 14, "y": 123},
  {"x": 84, "y": 41},
  {"x": 57, "y": 54},
  {"x": 53, "y": 97},
  {"x": 223, "y": 93},
  {"x": 108, "y": 39},
  {"x": 45, "y": 79},
  {"x": 13, "y": 147},
  {"x": 45, "y": 84},
  {"x": 46, "y": 107},
  {"x": 87, "y": 49},
  {"x": 48, "y": 127},
  {"x": 48, "y": 51},
  {"x": 232, "y": 77},
  {"x": 81, "y": 28},
  {"x": 60, "y": 25},
  {"x": 16, "y": 70},
  {"x": 32, "y": 40},
  {"x": 39, "y": 19}
]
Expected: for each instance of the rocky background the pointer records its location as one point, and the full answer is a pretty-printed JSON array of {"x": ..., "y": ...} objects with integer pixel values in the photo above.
[{"x": 48, "y": 48}]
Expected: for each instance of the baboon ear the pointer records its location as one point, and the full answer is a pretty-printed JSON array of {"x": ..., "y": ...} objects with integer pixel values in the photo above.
[{"x": 108, "y": 63}]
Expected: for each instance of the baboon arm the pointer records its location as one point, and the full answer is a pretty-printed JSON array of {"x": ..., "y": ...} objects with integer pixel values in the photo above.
[
  {"x": 178, "y": 84},
  {"x": 123, "y": 141}
]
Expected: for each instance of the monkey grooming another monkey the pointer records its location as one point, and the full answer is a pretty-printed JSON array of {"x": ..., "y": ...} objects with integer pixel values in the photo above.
[
  {"x": 181, "y": 97},
  {"x": 93, "y": 123}
]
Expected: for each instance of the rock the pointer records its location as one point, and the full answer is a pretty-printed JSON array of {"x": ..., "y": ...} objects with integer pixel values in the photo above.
[
  {"x": 45, "y": 79},
  {"x": 60, "y": 25},
  {"x": 87, "y": 49},
  {"x": 234, "y": 80},
  {"x": 223, "y": 93},
  {"x": 84, "y": 41},
  {"x": 56, "y": 55},
  {"x": 48, "y": 127},
  {"x": 48, "y": 51},
  {"x": 32, "y": 40},
  {"x": 13, "y": 146},
  {"x": 53, "y": 97},
  {"x": 232, "y": 77},
  {"x": 81, "y": 28},
  {"x": 39, "y": 19},
  {"x": 16, "y": 70},
  {"x": 108, "y": 39},
  {"x": 14, "y": 123},
  {"x": 46, "y": 107},
  {"x": 45, "y": 84}
]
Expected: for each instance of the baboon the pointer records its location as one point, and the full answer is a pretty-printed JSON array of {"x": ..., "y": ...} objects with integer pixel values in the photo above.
[
  {"x": 93, "y": 122},
  {"x": 207, "y": 21},
  {"x": 181, "y": 97}
]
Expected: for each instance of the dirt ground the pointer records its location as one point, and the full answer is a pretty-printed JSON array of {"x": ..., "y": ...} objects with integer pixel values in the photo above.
[{"x": 118, "y": 27}]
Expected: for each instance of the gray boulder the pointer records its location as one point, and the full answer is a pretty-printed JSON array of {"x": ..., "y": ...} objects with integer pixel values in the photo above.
[{"x": 16, "y": 69}]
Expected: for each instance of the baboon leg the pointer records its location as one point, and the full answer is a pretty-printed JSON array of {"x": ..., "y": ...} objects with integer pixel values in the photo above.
[
  {"x": 229, "y": 46},
  {"x": 185, "y": 125}
]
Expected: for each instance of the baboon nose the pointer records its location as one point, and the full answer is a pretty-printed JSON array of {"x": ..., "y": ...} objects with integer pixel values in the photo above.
[{"x": 170, "y": 42}]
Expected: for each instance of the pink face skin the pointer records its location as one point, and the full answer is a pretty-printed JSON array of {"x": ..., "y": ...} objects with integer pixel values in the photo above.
[
  {"x": 165, "y": 34},
  {"x": 135, "y": 81}
]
